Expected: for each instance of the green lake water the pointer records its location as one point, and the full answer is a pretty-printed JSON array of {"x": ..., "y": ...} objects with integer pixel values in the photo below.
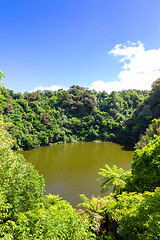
[{"x": 71, "y": 169}]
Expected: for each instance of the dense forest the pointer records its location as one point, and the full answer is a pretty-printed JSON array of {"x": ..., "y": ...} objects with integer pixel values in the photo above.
[
  {"x": 78, "y": 114},
  {"x": 37, "y": 119}
]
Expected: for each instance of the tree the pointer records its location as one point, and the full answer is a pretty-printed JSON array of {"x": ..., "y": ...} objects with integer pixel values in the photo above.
[
  {"x": 95, "y": 211},
  {"x": 1, "y": 75},
  {"x": 1, "y": 83},
  {"x": 56, "y": 219},
  {"x": 21, "y": 185},
  {"x": 146, "y": 167},
  {"x": 137, "y": 215},
  {"x": 126, "y": 216},
  {"x": 156, "y": 85},
  {"x": 113, "y": 176},
  {"x": 152, "y": 132}
]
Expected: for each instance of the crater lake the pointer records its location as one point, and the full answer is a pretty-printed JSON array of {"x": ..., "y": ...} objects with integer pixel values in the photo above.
[{"x": 72, "y": 168}]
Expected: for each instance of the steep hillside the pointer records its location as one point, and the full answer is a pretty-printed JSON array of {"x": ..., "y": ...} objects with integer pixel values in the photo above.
[{"x": 78, "y": 114}]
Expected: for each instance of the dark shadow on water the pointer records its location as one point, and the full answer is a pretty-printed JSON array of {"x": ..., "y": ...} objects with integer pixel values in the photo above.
[{"x": 127, "y": 147}]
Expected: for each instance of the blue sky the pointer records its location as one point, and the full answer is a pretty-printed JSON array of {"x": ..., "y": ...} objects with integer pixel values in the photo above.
[{"x": 101, "y": 44}]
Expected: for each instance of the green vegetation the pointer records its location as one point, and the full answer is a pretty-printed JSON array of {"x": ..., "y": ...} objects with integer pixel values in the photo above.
[
  {"x": 113, "y": 176},
  {"x": 25, "y": 212},
  {"x": 126, "y": 216},
  {"x": 78, "y": 114},
  {"x": 151, "y": 133},
  {"x": 145, "y": 112},
  {"x": 37, "y": 119},
  {"x": 146, "y": 167}
]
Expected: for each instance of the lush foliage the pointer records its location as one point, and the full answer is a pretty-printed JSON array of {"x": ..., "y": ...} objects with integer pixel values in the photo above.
[
  {"x": 146, "y": 167},
  {"x": 96, "y": 211},
  {"x": 53, "y": 219},
  {"x": 128, "y": 216},
  {"x": 138, "y": 215},
  {"x": 143, "y": 115},
  {"x": 25, "y": 213},
  {"x": 78, "y": 114},
  {"x": 113, "y": 176},
  {"x": 152, "y": 131},
  {"x": 1, "y": 76},
  {"x": 21, "y": 184}
]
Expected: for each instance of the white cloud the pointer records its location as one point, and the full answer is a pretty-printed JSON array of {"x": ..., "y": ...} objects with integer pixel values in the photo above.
[
  {"x": 139, "y": 70},
  {"x": 52, "y": 88}
]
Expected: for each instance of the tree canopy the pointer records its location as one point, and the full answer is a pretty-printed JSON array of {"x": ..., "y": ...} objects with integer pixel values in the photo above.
[
  {"x": 78, "y": 114},
  {"x": 146, "y": 167}
]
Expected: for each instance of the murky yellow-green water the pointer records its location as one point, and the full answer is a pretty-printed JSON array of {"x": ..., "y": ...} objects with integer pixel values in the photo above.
[{"x": 72, "y": 168}]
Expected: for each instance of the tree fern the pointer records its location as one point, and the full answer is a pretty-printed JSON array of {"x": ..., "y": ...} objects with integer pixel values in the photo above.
[{"x": 113, "y": 176}]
